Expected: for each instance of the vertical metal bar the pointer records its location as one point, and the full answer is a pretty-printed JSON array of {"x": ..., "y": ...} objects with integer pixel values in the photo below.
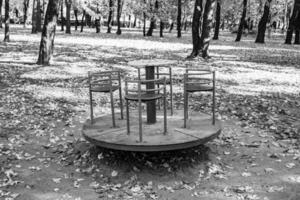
[
  {"x": 214, "y": 97},
  {"x": 112, "y": 102},
  {"x": 140, "y": 112},
  {"x": 185, "y": 107},
  {"x": 91, "y": 98},
  {"x": 120, "y": 95},
  {"x": 171, "y": 89},
  {"x": 127, "y": 108},
  {"x": 157, "y": 76},
  {"x": 165, "y": 108}
]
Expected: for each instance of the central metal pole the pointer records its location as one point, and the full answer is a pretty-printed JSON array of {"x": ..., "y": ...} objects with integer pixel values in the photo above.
[{"x": 151, "y": 109}]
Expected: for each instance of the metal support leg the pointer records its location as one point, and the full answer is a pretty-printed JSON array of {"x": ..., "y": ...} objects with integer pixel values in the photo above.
[
  {"x": 140, "y": 121},
  {"x": 112, "y": 108},
  {"x": 165, "y": 111},
  {"x": 171, "y": 90},
  {"x": 121, "y": 102},
  {"x": 91, "y": 107},
  {"x": 127, "y": 117},
  {"x": 214, "y": 99}
]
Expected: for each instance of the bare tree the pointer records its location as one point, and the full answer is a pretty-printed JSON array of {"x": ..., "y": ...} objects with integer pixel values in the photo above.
[
  {"x": 179, "y": 18},
  {"x": 25, "y": 7},
  {"x": 218, "y": 20},
  {"x": 242, "y": 22},
  {"x": 119, "y": 12},
  {"x": 110, "y": 15},
  {"x": 68, "y": 16},
  {"x": 48, "y": 33},
  {"x": 262, "y": 25},
  {"x": 1, "y": 2},
  {"x": 6, "y": 19},
  {"x": 196, "y": 28}
]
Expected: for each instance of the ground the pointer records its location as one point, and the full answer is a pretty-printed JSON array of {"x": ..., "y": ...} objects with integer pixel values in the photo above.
[{"x": 42, "y": 108}]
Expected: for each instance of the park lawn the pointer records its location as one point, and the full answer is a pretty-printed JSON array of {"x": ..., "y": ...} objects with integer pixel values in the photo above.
[{"x": 42, "y": 108}]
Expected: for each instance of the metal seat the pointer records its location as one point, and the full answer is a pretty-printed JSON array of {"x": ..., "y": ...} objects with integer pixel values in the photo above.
[
  {"x": 106, "y": 82},
  {"x": 135, "y": 90},
  {"x": 199, "y": 80},
  {"x": 159, "y": 73}
]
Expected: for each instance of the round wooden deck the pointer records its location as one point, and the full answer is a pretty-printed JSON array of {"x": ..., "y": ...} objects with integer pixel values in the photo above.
[{"x": 199, "y": 130}]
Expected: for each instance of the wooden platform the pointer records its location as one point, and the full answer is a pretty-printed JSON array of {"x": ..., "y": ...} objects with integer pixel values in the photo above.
[{"x": 199, "y": 130}]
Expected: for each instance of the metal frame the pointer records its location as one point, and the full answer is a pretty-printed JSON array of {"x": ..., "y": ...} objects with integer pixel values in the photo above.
[
  {"x": 158, "y": 76},
  {"x": 138, "y": 96},
  {"x": 106, "y": 81},
  {"x": 195, "y": 78}
]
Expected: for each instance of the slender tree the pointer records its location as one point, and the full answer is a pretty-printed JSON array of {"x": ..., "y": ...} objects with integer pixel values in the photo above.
[
  {"x": 76, "y": 18},
  {"x": 62, "y": 18},
  {"x": 196, "y": 28},
  {"x": 25, "y": 10},
  {"x": 33, "y": 17},
  {"x": 207, "y": 24},
  {"x": 179, "y": 18},
  {"x": 97, "y": 20},
  {"x": 48, "y": 33},
  {"x": 144, "y": 23},
  {"x": 161, "y": 28},
  {"x": 68, "y": 16},
  {"x": 1, "y": 2},
  {"x": 262, "y": 25},
  {"x": 119, "y": 11},
  {"x": 110, "y": 15},
  {"x": 6, "y": 19},
  {"x": 293, "y": 23},
  {"x": 242, "y": 22},
  {"x": 218, "y": 20},
  {"x": 153, "y": 19},
  {"x": 82, "y": 20},
  {"x": 38, "y": 16}
]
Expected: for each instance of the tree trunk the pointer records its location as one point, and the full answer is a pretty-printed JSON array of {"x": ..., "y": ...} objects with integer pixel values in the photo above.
[
  {"x": 151, "y": 28},
  {"x": 195, "y": 28},
  {"x": 97, "y": 20},
  {"x": 6, "y": 19},
  {"x": 144, "y": 24},
  {"x": 34, "y": 16},
  {"x": 38, "y": 16},
  {"x": 153, "y": 20},
  {"x": 171, "y": 27},
  {"x": 179, "y": 18},
  {"x": 82, "y": 20},
  {"x": 25, "y": 9},
  {"x": 294, "y": 23},
  {"x": 161, "y": 29},
  {"x": 62, "y": 16},
  {"x": 76, "y": 19},
  {"x": 110, "y": 15},
  {"x": 297, "y": 37},
  {"x": 285, "y": 15},
  {"x": 48, "y": 33},
  {"x": 262, "y": 25},
  {"x": 185, "y": 25},
  {"x": 68, "y": 16},
  {"x": 134, "y": 22},
  {"x": 207, "y": 24},
  {"x": 242, "y": 22},
  {"x": 1, "y": 2},
  {"x": 119, "y": 11},
  {"x": 218, "y": 20}
]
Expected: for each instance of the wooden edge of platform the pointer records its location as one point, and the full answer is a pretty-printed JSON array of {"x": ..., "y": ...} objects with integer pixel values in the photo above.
[{"x": 152, "y": 148}]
